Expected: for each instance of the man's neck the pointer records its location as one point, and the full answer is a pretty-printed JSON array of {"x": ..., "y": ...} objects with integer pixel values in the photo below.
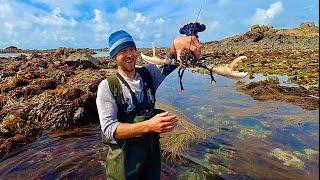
[{"x": 130, "y": 75}]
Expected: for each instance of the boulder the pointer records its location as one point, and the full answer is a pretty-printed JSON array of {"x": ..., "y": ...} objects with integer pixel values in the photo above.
[
  {"x": 63, "y": 52},
  {"x": 12, "y": 49},
  {"x": 82, "y": 59},
  {"x": 307, "y": 24}
]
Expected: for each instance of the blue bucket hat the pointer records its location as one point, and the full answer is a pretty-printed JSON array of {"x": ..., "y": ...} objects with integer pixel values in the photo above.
[{"x": 118, "y": 41}]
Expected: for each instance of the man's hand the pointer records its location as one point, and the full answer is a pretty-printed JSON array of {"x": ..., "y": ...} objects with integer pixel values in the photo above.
[
  {"x": 162, "y": 123},
  {"x": 186, "y": 43}
]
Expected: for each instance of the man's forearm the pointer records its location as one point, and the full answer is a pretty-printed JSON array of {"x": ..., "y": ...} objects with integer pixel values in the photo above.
[{"x": 129, "y": 130}]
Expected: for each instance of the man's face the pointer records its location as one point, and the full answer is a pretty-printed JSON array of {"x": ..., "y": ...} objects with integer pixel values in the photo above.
[{"x": 126, "y": 59}]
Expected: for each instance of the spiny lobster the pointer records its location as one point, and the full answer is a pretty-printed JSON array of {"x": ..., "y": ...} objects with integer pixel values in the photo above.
[{"x": 188, "y": 59}]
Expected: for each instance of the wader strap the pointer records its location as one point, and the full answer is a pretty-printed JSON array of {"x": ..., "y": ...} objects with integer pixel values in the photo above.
[
  {"x": 133, "y": 95},
  {"x": 147, "y": 79}
]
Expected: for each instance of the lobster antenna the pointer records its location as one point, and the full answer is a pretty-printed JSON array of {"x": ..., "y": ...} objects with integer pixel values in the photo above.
[
  {"x": 200, "y": 10},
  {"x": 197, "y": 19}
]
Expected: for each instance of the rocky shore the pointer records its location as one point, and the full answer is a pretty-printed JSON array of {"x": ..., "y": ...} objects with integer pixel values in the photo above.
[
  {"x": 293, "y": 52},
  {"x": 56, "y": 89},
  {"x": 47, "y": 91},
  {"x": 290, "y": 52}
]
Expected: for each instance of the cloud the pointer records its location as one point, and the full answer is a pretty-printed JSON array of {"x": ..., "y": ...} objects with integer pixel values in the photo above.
[
  {"x": 159, "y": 21},
  {"x": 100, "y": 27},
  {"x": 140, "y": 18},
  {"x": 41, "y": 24},
  {"x": 122, "y": 13},
  {"x": 265, "y": 16},
  {"x": 28, "y": 27},
  {"x": 68, "y": 7},
  {"x": 213, "y": 25},
  {"x": 55, "y": 19}
]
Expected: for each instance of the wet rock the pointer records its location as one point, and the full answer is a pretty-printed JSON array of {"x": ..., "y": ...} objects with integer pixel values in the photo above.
[
  {"x": 246, "y": 133},
  {"x": 82, "y": 59},
  {"x": 251, "y": 76},
  {"x": 257, "y": 37},
  {"x": 11, "y": 143},
  {"x": 273, "y": 79},
  {"x": 78, "y": 114},
  {"x": 307, "y": 24},
  {"x": 311, "y": 153},
  {"x": 34, "y": 55},
  {"x": 7, "y": 74},
  {"x": 5, "y": 132},
  {"x": 14, "y": 82},
  {"x": 2, "y": 101},
  {"x": 264, "y": 90},
  {"x": 59, "y": 116},
  {"x": 61, "y": 52},
  {"x": 200, "y": 71},
  {"x": 288, "y": 158},
  {"x": 68, "y": 93}
]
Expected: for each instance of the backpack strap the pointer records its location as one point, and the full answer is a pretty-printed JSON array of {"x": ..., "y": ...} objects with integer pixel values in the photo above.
[{"x": 115, "y": 89}]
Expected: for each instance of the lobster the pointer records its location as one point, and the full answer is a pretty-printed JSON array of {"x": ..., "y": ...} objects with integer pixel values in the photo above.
[{"x": 188, "y": 59}]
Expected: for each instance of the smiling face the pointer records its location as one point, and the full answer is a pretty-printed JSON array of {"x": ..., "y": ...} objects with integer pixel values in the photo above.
[{"x": 126, "y": 59}]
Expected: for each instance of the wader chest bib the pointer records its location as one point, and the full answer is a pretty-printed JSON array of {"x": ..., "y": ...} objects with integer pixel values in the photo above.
[{"x": 138, "y": 157}]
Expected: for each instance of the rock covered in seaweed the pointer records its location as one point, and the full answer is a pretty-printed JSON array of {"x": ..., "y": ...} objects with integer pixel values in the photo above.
[{"x": 43, "y": 92}]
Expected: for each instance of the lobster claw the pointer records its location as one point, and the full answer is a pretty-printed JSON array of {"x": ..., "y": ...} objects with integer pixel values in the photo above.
[
  {"x": 229, "y": 69},
  {"x": 154, "y": 59}
]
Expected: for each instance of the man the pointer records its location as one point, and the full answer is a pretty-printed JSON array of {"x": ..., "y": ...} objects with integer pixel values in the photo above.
[{"x": 125, "y": 102}]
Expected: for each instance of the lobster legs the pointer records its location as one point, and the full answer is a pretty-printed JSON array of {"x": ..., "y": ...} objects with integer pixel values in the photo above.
[
  {"x": 182, "y": 69},
  {"x": 180, "y": 74}
]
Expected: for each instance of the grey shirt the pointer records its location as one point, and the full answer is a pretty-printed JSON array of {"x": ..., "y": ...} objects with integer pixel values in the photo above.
[{"x": 106, "y": 104}]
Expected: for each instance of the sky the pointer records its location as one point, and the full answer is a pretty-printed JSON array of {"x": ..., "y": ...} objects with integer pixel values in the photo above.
[{"x": 48, "y": 24}]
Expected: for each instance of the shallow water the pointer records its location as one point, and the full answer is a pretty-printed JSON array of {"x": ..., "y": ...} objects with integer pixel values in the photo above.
[
  {"x": 249, "y": 131},
  {"x": 8, "y": 55},
  {"x": 76, "y": 153},
  {"x": 284, "y": 80},
  {"x": 100, "y": 54},
  {"x": 250, "y": 139}
]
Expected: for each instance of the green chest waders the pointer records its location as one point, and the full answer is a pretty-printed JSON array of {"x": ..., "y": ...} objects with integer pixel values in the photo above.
[
  {"x": 138, "y": 157},
  {"x": 135, "y": 158}
]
